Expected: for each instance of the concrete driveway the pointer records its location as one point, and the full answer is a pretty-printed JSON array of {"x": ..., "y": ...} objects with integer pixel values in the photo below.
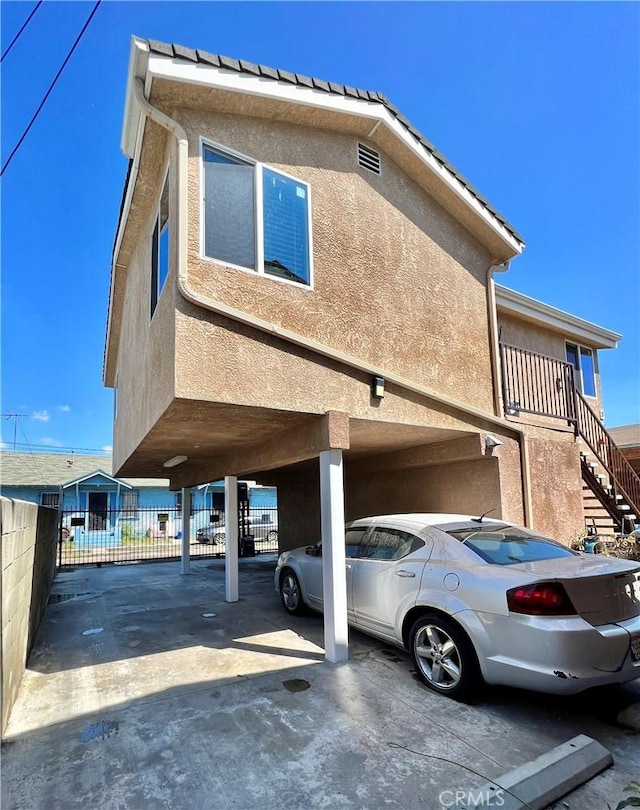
[{"x": 146, "y": 690}]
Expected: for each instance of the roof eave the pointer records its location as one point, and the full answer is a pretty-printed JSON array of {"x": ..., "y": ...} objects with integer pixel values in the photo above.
[
  {"x": 149, "y": 65},
  {"x": 530, "y": 309}
]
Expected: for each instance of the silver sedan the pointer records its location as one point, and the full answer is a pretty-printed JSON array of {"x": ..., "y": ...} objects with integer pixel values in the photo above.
[{"x": 474, "y": 599}]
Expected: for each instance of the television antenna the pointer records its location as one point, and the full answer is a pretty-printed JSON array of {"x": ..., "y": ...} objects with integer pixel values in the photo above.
[{"x": 16, "y": 417}]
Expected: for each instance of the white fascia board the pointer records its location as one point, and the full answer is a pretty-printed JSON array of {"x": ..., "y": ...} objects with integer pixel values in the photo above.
[
  {"x": 138, "y": 58},
  {"x": 220, "y": 78},
  {"x": 96, "y": 474},
  {"x": 515, "y": 303}
]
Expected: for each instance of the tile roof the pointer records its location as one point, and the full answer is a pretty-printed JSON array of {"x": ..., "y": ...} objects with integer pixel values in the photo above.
[
  {"x": 55, "y": 469},
  {"x": 241, "y": 66}
]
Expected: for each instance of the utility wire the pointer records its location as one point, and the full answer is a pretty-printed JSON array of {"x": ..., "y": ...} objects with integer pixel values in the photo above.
[
  {"x": 24, "y": 25},
  {"x": 51, "y": 86}
]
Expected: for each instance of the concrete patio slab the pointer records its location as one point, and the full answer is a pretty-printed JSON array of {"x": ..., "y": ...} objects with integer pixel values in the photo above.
[{"x": 148, "y": 690}]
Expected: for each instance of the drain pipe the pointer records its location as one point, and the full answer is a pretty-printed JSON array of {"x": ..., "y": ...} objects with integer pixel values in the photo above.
[
  {"x": 496, "y": 374},
  {"x": 285, "y": 334}
]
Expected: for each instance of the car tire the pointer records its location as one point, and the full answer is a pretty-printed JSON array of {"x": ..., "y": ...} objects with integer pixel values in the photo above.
[
  {"x": 443, "y": 657},
  {"x": 218, "y": 538},
  {"x": 291, "y": 593},
  {"x": 272, "y": 536}
]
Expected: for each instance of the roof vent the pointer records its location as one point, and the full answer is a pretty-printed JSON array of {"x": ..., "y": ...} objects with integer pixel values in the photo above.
[{"x": 368, "y": 158}]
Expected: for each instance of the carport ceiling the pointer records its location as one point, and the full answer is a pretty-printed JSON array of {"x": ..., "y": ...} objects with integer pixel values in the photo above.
[{"x": 208, "y": 432}]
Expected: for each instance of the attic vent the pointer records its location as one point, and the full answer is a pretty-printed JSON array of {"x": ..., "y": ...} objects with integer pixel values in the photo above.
[{"x": 368, "y": 158}]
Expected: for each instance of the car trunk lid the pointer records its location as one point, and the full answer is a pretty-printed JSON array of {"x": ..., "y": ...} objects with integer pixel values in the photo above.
[{"x": 603, "y": 591}]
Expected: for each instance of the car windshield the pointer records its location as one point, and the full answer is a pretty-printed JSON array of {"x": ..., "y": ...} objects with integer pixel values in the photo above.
[{"x": 509, "y": 545}]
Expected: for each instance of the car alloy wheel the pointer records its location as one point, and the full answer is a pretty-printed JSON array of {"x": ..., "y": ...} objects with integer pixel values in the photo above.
[
  {"x": 290, "y": 593},
  {"x": 444, "y": 657}
]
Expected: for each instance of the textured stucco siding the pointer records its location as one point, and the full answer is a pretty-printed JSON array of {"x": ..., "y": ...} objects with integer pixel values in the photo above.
[
  {"x": 535, "y": 338},
  {"x": 146, "y": 353},
  {"x": 556, "y": 486},
  {"x": 467, "y": 487},
  {"x": 397, "y": 281}
]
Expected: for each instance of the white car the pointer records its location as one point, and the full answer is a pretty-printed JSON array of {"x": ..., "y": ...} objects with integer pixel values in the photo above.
[
  {"x": 474, "y": 599},
  {"x": 262, "y": 527}
]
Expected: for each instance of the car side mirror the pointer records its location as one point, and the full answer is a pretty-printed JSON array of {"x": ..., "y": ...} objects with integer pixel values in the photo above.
[{"x": 314, "y": 551}]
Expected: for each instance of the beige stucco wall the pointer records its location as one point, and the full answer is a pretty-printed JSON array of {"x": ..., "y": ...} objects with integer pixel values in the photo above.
[
  {"x": 397, "y": 281},
  {"x": 536, "y": 338},
  {"x": 466, "y": 487},
  {"x": 476, "y": 485},
  {"x": 556, "y": 485},
  {"x": 146, "y": 351}
]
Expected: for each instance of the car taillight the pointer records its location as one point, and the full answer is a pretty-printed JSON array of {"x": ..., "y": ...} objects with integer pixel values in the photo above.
[{"x": 540, "y": 599}]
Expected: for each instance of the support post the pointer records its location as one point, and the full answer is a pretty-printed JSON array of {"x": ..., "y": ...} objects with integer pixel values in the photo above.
[
  {"x": 186, "y": 531},
  {"x": 231, "y": 538},
  {"x": 334, "y": 581}
]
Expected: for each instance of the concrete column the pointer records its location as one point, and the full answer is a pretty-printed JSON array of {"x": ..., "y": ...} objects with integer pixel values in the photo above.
[
  {"x": 231, "y": 538},
  {"x": 334, "y": 581},
  {"x": 186, "y": 530}
]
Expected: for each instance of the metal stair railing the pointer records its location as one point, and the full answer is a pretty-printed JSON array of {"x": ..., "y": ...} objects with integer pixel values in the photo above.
[{"x": 599, "y": 441}]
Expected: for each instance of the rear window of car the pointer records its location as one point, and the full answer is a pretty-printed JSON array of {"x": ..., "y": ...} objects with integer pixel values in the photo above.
[{"x": 510, "y": 545}]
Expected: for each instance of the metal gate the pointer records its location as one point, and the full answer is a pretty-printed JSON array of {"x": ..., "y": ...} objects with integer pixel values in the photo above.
[{"x": 99, "y": 536}]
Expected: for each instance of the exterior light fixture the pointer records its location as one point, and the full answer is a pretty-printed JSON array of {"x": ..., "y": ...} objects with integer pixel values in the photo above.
[
  {"x": 490, "y": 442},
  {"x": 377, "y": 387},
  {"x": 173, "y": 462}
]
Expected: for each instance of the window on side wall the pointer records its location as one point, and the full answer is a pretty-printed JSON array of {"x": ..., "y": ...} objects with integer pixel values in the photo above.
[
  {"x": 130, "y": 504},
  {"x": 583, "y": 362},
  {"x": 51, "y": 499},
  {"x": 256, "y": 218},
  {"x": 160, "y": 247}
]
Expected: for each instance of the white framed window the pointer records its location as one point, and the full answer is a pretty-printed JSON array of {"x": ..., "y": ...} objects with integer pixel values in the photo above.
[
  {"x": 255, "y": 217},
  {"x": 51, "y": 499},
  {"x": 130, "y": 503},
  {"x": 583, "y": 361},
  {"x": 160, "y": 247}
]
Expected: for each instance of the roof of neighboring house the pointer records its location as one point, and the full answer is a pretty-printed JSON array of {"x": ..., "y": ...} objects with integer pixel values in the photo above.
[
  {"x": 58, "y": 469},
  {"x": 530, "y": 309},
  {"x": 285, "y": 77},
  {"x": 626, "y": 435}
]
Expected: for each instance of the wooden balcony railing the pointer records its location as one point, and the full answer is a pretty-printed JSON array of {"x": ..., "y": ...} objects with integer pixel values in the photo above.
[{"x": 535, "y": 383}]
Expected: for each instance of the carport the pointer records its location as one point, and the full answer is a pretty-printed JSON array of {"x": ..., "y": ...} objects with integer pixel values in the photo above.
[
  {"x": 147, "y": 690},
  {"x": 314, "y": 460}
]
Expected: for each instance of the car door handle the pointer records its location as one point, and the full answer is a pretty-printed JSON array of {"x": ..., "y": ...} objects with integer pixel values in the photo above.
[
  {"x": 402, "y": 573},
  {"x": 347, "y": 565}
]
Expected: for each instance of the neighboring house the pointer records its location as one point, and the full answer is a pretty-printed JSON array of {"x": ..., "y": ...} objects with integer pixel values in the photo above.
[
  {"x": 627, "y": 437},
  {"x": 82, "y": 485},
  {"x": 298, "y": 277}
]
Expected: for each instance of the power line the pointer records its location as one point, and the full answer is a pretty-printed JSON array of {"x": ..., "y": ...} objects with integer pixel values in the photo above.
[
  {"x": 54, "y": 449},
  {"x": 24, "y": 25},
  {"x": 51, "y": 86}
]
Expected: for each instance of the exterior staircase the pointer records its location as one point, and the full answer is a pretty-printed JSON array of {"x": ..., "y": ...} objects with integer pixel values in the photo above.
[
  {"x": 537, "y": 384},
  {"x": 611, "y": 487}
]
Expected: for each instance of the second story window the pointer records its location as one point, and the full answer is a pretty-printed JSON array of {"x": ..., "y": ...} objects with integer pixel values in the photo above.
[
  {"x": 256, "y": 218},
  {"x": 582, "y": 360},
  {"x": 160, "y": 248}
]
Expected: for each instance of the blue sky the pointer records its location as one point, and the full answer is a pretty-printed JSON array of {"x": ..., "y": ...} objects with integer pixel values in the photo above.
[{"x": 536, "y": 103}]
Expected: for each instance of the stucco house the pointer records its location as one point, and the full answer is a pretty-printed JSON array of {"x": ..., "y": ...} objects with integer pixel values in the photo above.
[{"x": 303, "y": 292}]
